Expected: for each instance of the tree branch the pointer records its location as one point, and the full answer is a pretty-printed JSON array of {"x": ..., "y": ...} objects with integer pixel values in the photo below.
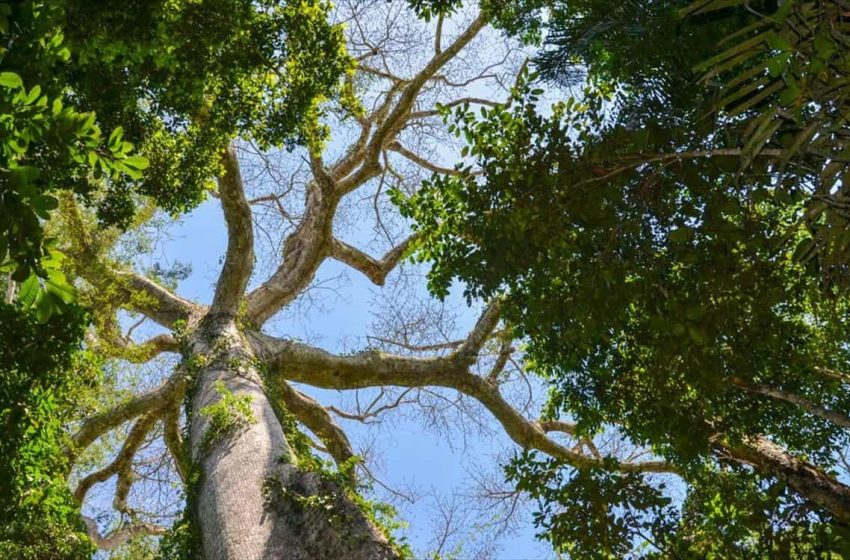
[
  {"x": 147, "y": 297},
  {"x": 306, "y": 364},
  {"x": 118, "y": 537},
  {"x": 805, "y": 478},
  {"x": 793, "y": 398},
  {"x": 375, "y": 270},
  {"x": 152, "y": 401},
  {"x": 123, "y": 348},
  {"x": 174, "y": 441},
  {"x": 120, "y": 464},
  {"x": 312, "y": 414},
  {"x": 395, "y": 146},
  {"x": 400, "y": 113},
  {"x": 239, "y": 259},
  {"x": 306, "y": 248}
]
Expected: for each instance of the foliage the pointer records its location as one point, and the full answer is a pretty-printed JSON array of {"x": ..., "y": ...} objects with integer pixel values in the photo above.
[
  {"x": 43, "y": 375},
  {"x": 174, "y": 79},
  {"x": 650, "y": 255},
  {"x": 228, "y": 415},
  {"x": 592, "y": 512},
  {"x": 47, "y": 144}
]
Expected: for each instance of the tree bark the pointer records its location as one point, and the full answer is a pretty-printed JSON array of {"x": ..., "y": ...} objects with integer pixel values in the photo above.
[
  {"x": 253, "y": 501},
  {"x": 806, "y": 479}
]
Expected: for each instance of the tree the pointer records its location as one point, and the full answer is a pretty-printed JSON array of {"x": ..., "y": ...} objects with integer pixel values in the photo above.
[
  {"x": 666, "y": 246},
  {"x": 253, "y": 487}
]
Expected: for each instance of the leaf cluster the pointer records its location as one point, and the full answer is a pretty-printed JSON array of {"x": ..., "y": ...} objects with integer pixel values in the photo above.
[{"x": 43, "y": 373}]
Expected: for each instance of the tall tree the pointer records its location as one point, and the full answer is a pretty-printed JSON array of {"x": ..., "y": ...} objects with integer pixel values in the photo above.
[{"x": 253, "y": 488}]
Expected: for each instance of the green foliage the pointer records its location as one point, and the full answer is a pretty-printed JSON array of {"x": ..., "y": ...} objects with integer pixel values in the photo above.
[
  {"x": 43, "y": 372},
  {"x": 174, "y": 79},
  {"x": 229, "y": 415},
  {"x": 183, "y": 80},
  {"x": 183, "y": 540},
  {"x": 47, "y": 144},
  {"x": 598, "y": 513},
  {"x": 651, "y": 261},
  {"x": 592, "y": 513},
  {"x": 787, "y": 73}
]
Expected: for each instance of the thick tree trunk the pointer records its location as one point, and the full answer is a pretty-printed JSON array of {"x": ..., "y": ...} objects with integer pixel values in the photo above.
[{"x": 252, "y": 502}]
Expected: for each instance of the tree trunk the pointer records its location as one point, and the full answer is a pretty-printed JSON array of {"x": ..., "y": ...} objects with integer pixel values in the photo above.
[{"x": 253, "y": 502}]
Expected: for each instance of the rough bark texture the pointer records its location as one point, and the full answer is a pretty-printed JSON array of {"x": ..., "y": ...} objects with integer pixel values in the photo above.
[
  {"x": 251, "y": 497},
  {"x": 805, "y": 478}
]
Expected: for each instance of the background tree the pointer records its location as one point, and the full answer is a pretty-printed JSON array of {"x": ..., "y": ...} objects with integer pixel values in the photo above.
[{"x": 675, "y": 268}]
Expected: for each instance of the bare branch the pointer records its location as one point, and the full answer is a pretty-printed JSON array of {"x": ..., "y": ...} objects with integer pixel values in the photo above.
[
  {"x": 375, "y": 270},
  {"x": 400, "y": 113},
  {"x": 557, "y": 426},
  {"x": 505, "y": 351},
  {"x": 468, "y": 352},
  {"x": 373, "y": 411},
  {"x": 239, "y": 259},
  {"x": 306, "y": 364},
  {"x": 418, "y": 347},
  {"x": 306, "y": 248},
  {"x": 396, "y": 146}
]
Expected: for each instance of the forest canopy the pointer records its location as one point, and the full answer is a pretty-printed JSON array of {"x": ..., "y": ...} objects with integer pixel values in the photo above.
[{"x": 643, "y": 201}]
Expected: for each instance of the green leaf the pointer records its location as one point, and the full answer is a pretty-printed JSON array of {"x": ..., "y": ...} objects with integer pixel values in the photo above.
[
  {"x": 115, "y": 139},
  {"x": 28, "y": 292},
  {"x": 33, "y": 95},
  {"x": 61, "y": 289},
  {"x": 10, "y": 80}
]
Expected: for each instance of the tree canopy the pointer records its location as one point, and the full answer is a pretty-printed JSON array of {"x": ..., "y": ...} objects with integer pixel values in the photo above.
[
  {"x": 670, "y": 246},
  {"x": 653, "y": 220}
]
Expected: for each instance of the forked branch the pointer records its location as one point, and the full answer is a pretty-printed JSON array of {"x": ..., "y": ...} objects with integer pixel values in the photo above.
[{"x": 375, "y": 270}]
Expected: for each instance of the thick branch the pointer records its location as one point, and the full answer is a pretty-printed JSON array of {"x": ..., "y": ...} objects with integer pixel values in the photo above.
[
  {"x": 122, "y": 462},
  {"x": 805, "y": 478},
  {"x": 375, "y": 270},
  {"x": 174, "y": 441},
  {"x": 303, "y": 363},
  {"x": 793, "y": 398},
  {"x": 138, "y": 353},
  {"x": 307, "y": 247},
  {"x": 145, "y": 296},
  {"x": 239, "y": 259},
  {"x": 130, "y": 290},
  {"x": 309, "y": 412},
  {"x": 99, "y": 424}
]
